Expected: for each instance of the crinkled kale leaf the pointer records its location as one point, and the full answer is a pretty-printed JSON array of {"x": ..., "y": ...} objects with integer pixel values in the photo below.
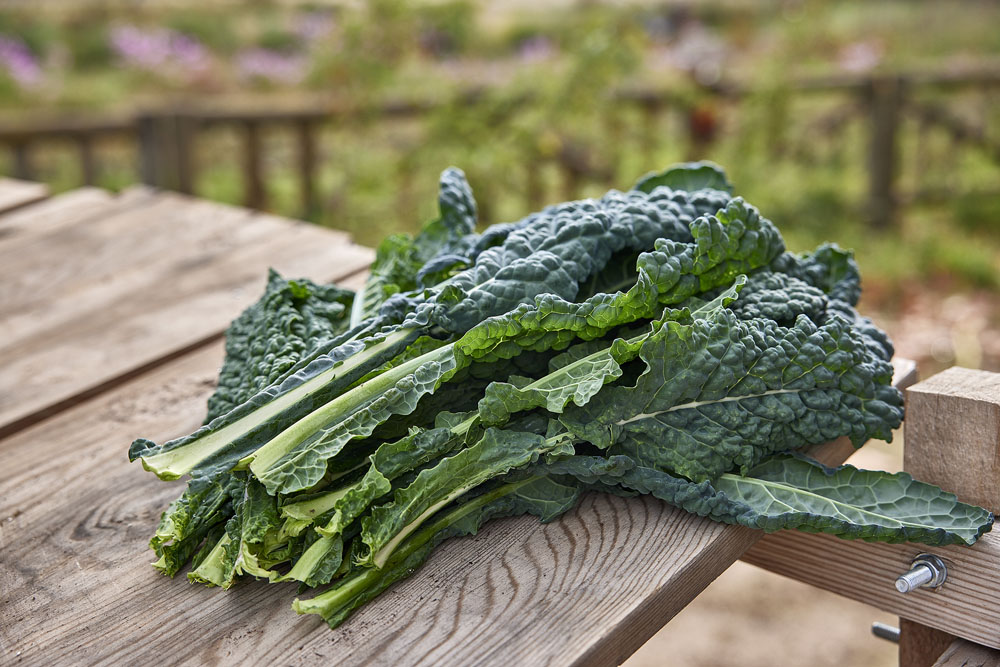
[{"x": 659, "y": 341}]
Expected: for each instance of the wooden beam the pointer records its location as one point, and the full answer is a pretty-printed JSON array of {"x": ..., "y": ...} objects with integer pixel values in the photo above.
[
  {"x": 967, "y": 605},
  {"x": 953, "y": 434},
  {"x": 963, "y": 653},
  {"x": 953, "y": 440},
  {"x": 920, "y": 645}
]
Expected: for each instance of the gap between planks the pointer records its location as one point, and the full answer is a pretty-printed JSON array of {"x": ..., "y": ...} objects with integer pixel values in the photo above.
[
  {"x": 15, "y": 194},
  {"x": 119, "y": 305},
  {"x": 351, "y": 281}
]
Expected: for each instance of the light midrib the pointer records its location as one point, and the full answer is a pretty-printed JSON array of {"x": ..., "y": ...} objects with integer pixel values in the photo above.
[
  {"x": 837, "y": 503},
  {"x": 540, "y": 383},
  {"x": 310, "y": 509},
  {"x": 307, "y": 563},
  {"x": 697, "y": 404},
  {"x": 183, "y": 459},
  {"x": 383, "y": 554},
  {"x": 333, "y": 412}
]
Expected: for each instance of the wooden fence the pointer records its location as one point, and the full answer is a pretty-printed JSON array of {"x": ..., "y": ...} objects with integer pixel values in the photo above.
[{"x": 166, "y": 139}]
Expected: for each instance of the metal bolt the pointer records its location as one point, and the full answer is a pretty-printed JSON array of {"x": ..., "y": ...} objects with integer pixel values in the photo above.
[
  {"x": 926, "y": 571},
  {"x": 883, "y": 631}
]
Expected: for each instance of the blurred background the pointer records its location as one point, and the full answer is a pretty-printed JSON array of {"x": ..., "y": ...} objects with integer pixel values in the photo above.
[{"x": 873, "y": 124}]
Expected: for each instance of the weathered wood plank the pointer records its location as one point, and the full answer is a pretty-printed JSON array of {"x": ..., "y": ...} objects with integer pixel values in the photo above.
[
  {"x": 15, "y": 193},
  {"x": 921, "y": 645},
  {"x": 75, "y": 207},
  {"x": 588, "y": 588},
  {"x": 952, "y": 440},
  {"x": 87, "y": 305},
  {"x": 962, "y": 653},
  {"x": 967, "y": 605},
  {"x": 953, "y": 434}
]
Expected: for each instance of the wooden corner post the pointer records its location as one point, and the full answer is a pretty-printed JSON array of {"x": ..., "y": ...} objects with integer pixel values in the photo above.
[{"x": 951, "y": 439}]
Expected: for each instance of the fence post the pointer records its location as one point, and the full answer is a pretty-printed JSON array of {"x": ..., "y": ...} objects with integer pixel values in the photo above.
[
  {"x": 148, "y": 163},
  {"x": 951, "y": 439},
  {"x": 88, "y": 168},
  {"x": 164, "y": 151},
  {"x": 22, "y": 162},
  {"x": 253, "y": 178},
  {"x": 307, "y": 167},
  {"x": 184, "y": 127},
  {"x": 884, "y": 101}
]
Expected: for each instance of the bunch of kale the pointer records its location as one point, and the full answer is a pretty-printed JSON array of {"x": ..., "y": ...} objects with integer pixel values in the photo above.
[{"x": 656, "y": 341}]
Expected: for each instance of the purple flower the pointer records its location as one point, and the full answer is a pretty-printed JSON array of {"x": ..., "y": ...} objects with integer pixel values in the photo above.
[
  {"x": 20, "y": 63},
  {"x": 143, "y": 49},
  {"x": 312, "y": 27},
  {"x": 860, "y": 56},
  {"x": 188, "y": 52},
  {"x": 159, "y": 49},
  {"x": 537, "y": 48},
  {"x": 273, "y": 66}
]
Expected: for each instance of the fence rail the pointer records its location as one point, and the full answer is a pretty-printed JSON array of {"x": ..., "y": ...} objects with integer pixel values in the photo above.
[{"x": 166, "y": 139}]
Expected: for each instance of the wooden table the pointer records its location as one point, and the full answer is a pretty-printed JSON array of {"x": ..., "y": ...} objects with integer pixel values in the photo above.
[
  {"x": 112, "y": 310},
  {"x": 15, "y": 194}
]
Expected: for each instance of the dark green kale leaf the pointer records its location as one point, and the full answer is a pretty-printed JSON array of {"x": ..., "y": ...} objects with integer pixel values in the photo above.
[
  {"x": 401, "y": 261},
  {"x": 689, "y": 176},
  {"x": 291, "y": 319},
  {"x": 793, "y": 492},
  {"x": 720, "y": 393}
]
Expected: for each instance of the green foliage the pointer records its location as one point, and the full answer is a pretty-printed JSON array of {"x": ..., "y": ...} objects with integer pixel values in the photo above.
[
  {"x": 38, "y": 34},
  {"x": 277, "y": 39},
  {"x": 447, "y": 28},
  {"x": 212, "y": 27},
  {"x": 373, "y": 45},
  {"x": 88, "y": 44}
]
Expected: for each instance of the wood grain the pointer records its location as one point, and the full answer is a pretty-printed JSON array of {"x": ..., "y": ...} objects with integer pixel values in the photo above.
[
  {"x": 88, "y": 305},
  {"x": 962, "y": 653},
  {"x": 967, "y": 605},
  {"x": 587, "y": 589},
  {"x": 16, "y": 193},
  {"x": 953, "y": 434},
  {"x": 69, "y": 208},
  {"x": 921, "y": 645},
  {"x": 76, "y": 517},
  {"x": 952, "y": 440}
]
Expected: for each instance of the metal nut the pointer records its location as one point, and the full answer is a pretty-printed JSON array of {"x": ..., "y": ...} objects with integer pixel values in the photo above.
[{"x": 926, "y": 571}]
